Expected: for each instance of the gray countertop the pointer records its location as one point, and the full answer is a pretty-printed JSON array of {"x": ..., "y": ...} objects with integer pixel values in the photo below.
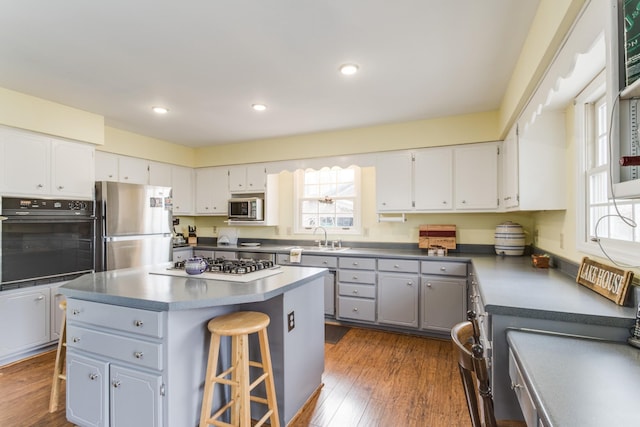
[
  {"x": 138, "y": 288},
  {"x": 511, "y": 286},
  {"x": 579, "y": 382}
]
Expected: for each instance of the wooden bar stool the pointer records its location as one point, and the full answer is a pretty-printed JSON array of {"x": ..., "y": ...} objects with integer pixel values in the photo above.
[
  {"x": 238, "y": 326},
  {"x": 61, "y": 355}
]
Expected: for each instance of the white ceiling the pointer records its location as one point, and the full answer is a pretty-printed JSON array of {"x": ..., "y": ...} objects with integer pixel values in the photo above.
[{"x": 209, "y": 60}]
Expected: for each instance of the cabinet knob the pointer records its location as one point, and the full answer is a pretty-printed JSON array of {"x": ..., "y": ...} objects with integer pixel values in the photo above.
[
  {"x": 444, "y": 202},
  {"x": 410, "y": 283},
  {"x": 443, "y": 268},
  {"x": 138, "y": 323},
  {"x": 355, "y": 277},
  {"x": 126, "y": 177},
  {"x": 93, "y": 376},
  {"x": 515, "y": 386},
  {"x": 355, "y": 308},
  {"x": 116, "y": 384},
  {"x": 75, "y": 339},
  {"x": 60, "y": 187},
  {"x": 40, "y": 185},
  {"x": 355, "y": 291},
  {"x": 396, "y": 266},
  {"x": 428, "y": 284},
  {"x": 138, "y": 354},
  {"x": 355, "y": 263},
  {"x": 464, "y": 202},
  {"x": 324, "y": 262},
  {"x": 40, "y": 298},
  {"x": 75, "y": 312}
]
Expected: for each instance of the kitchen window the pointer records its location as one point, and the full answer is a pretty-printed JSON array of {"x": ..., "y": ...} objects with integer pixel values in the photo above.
[
  {"x": 329, "y": 198},
  {"x": 606, "y": 226}
]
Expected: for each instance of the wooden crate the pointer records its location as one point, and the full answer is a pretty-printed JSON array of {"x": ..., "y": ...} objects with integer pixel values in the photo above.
[{"x": 443, "y": 235}]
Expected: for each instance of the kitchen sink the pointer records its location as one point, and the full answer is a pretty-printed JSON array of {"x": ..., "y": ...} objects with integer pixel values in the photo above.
[{"x": 319, "y": 249}]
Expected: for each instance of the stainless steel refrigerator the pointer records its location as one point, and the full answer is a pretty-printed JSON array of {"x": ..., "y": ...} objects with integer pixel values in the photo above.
[{"x": 134, "y": 225}]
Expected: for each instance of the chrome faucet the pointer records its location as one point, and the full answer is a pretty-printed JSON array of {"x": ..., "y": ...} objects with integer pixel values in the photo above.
[{"x": 326, "y": 243}]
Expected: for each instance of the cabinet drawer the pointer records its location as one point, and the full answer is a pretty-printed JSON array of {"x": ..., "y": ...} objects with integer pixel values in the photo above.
[
  {"x": 357, "y": 263},
  {"x": 133, "y": 320},
  {"x": 134, "y": 351},
  {"x": 524, "y": 397},
  {"x": 359, "y": 291},
  {"x": 357, "y": 309},
  {"x": 445, "y": 268},
  {"x": 403, "y": 265},
  {"x": 357, "y": 276},
  {"x": 319, "y": 261}
]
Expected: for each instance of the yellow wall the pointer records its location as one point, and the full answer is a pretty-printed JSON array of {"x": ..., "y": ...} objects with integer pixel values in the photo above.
[
  {"x": 552, "y": 22},
  {"x": 39, "y": 115},
  {"x": 127, "y": 143}
]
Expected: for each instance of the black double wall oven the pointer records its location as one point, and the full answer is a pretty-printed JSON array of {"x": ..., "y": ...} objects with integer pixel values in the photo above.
[{"x": 45, "y": 241}]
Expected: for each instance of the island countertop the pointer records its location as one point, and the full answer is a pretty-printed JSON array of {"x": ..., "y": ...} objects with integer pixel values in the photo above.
[{"x": 140, "y": 288}]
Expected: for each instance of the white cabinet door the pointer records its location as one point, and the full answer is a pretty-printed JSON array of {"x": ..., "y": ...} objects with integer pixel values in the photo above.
[
  {"x": 510, "y": 164},
  {"x": 26, "y": 164},
  {"x": 73, "y": 169},
  {"x": 433, "y": 179},
  {"x": 476, "y": 176},
  {"x": 394, "y": 172},
  {"x": 160, "y": 174},
  {"x": 87, "y": 391},
  {"x": 247, "y": 178},
  {"x": 106, "y": 166},
  {"x": 133, "y": 170},
  {"x": 398, "y": 299},
  {"x": 212, "y": 191},
  {"x": 26, "y": 319},
  {"x": 443, "y": 303},
  {"x": 135, "y": 398},
  {"x": 182, "y": 185}
]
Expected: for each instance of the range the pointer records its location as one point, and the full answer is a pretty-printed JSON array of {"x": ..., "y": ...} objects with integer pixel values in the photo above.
[{"x": 232, "y": 266}]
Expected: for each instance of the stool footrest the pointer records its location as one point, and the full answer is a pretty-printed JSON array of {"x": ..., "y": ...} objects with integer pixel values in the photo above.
[
  {"x": 258, "y": 381},
  {"x": 264, "y": 418},
  {"x": 216, "y": 415},
  {"x": 259, "y": 399}
]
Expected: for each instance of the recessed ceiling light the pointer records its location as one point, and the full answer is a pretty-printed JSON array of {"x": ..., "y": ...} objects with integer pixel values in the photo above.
[
  {"x": 259, "y": 107},
  {"x": 349, "y": 69},
  {"x": 160, "y": 110}
]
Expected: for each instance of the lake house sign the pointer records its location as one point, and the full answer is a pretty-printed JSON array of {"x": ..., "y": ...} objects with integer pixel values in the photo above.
[{"x": 610, "y": 282}]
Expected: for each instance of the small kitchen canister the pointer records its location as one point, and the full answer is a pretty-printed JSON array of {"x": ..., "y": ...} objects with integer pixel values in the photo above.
[
  {"x": 509, "y": 239},
  {"x": 195, "y": 265}
]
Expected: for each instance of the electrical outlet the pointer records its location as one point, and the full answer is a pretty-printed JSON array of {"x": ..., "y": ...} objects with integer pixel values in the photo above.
[{"x": 291, "y": 321}]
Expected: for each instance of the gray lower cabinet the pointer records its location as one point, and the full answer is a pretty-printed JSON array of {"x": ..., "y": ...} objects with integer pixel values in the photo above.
[
  {"x": 398, "y": 299},
  {"x": 114, "y": 365},
  {"x": 443, "y": 303},
  {"x": 357, "y": 289}
]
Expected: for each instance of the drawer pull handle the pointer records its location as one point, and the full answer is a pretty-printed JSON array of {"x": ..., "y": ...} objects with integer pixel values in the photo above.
[
  {"x": 138, "y": 354},
  {"x": 410, "y": 283},
  {"x": 443, "y": 268},
  {"x": 355, "y": 308},
  {"x": 116, "y": 384},
  {"x": 355, "y": 277},
  {"x": 428, "y": 284},
  {"x": 75, "y": 312},
  {"x": 40, "y": 298},
  {"x": 138, "y": 323},
  {"x": 355, "y": 291},
  {"x": 75, "y": 339},
  {"x": 324, "y": 262},
  {"x": 355, "y": 263},
  {"x": 396, "y": 266},
  {"x": 93, "y": 377}
]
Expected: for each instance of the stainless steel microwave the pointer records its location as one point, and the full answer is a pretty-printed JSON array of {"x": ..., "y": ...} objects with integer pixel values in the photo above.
[{"x": 246, "y": 209}]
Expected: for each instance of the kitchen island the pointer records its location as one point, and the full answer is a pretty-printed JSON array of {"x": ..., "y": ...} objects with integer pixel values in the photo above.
[{"x": 137, "y": 342}]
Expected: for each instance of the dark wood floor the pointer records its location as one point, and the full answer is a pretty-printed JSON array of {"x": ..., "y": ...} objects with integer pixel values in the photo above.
[{"x": 371, "y": 379}]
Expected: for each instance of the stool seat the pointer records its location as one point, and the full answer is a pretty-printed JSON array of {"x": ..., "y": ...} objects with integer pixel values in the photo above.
[
  {"x": 238, "y": 377},
  {"x": 239, "y": 323}
]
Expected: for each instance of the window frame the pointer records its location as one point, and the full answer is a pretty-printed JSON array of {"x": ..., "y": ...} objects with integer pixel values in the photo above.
[
  {"x": 298, "y": 185},
  {"x": 620, "y": 252}
]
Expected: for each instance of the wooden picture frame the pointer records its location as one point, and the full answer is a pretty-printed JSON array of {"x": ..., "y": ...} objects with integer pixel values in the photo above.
[{"x": 610, "y": 282}]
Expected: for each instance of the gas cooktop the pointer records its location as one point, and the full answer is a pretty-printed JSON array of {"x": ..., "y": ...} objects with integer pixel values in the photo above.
[{"x": 235, "y": 270}]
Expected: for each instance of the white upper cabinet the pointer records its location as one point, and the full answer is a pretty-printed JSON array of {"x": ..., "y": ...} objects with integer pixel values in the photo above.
[
  {"x": 26, "y": 164},
  {"x": 394, "y": 182},
  {"x": 534, "y": 161},
  {"x": 160, "y": 174},
  {"x": 106, "y": 166},
  {"x": 212, "y": 191},
  {"x": 433, "y": 179},
  {"x": 247, "y": 178},
  {"x": 133, "y": 170},
  {"x": 40, "y": 166},
  {"x": 182, "y": 185},
  {"x": 476, "y": 176},
  {"x": 73, "y": 171}
]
